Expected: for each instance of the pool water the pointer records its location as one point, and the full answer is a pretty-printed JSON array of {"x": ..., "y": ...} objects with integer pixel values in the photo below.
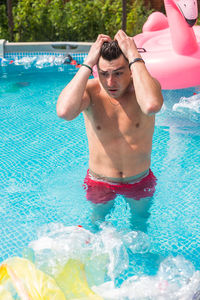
[{"x": 43, "y": 162}]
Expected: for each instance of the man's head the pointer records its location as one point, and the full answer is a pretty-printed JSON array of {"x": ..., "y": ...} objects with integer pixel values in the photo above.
[
  {"x": 113, "y": 69},
  {"x": 110, "y": 50}
]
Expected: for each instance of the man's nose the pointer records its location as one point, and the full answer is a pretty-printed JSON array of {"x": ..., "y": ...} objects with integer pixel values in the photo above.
[{"x": 110, "y": 81}]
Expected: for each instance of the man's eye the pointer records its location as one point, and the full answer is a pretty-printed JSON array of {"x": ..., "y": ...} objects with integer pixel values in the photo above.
[{"x": 118, "y": 73}]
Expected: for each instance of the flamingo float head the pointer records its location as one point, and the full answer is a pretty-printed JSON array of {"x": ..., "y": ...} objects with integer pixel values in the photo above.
[
  {"x": 189, "y": 10},
  {"x": 182, "y": 15},
  {"x": 172, "y": 44}
]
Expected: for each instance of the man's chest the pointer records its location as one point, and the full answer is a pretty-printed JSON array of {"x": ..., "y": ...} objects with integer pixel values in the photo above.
[{"x": 117, "y": 119}]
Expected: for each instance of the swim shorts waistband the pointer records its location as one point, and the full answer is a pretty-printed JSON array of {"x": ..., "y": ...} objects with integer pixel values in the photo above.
[{"x": 116, "y": 180}]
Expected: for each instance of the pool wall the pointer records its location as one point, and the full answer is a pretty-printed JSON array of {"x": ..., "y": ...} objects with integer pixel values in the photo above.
[{"x": 9, "y": 50}]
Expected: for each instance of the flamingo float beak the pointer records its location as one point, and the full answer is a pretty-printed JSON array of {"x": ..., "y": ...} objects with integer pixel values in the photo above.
[{"x": 191, "y": 22}]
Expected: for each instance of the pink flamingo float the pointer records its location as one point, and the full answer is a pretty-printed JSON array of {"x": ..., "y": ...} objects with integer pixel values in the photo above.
[{"x": 172, "y": 45}]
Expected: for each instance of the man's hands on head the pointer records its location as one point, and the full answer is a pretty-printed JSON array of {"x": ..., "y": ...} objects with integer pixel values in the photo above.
[
  {"x": 94, "y": 52},
  {"x": 127, "y": 45}
]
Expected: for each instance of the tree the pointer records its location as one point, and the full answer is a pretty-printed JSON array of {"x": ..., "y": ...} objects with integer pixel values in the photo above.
[
  {"x": 124, "y": 14},
  {"x": 10, "y": 18},
  {"x": 69, "y": 20}
]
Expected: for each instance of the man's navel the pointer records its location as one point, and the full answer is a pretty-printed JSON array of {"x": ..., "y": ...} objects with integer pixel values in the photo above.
[{"x": 98, "y": 127}]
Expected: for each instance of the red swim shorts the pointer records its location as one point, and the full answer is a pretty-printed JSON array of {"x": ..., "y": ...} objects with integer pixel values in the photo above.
[{"x": 102, "y": 191}]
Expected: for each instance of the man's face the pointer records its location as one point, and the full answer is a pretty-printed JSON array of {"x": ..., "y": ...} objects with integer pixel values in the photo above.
[{"x": 114, "y": 76}]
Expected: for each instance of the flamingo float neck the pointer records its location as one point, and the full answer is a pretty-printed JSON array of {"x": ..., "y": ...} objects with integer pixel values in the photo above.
[{"x": 183, "y": 38}]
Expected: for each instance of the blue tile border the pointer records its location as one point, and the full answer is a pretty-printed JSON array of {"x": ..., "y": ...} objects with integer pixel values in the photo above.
[{"x": 18, "y": 55}]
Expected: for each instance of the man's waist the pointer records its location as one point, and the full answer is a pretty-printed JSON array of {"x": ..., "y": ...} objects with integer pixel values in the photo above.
[{"x": 116, "y": 180}]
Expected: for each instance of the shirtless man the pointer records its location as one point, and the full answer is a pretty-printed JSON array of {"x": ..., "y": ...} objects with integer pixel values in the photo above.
[{"x": 119, "y": 109}]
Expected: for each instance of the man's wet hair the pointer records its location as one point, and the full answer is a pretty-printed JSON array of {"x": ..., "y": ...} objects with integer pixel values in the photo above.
[{"x": 111, "y": 50}]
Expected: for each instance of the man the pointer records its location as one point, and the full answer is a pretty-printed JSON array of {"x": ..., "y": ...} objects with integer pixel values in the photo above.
[{"x": 119, "y": 109}]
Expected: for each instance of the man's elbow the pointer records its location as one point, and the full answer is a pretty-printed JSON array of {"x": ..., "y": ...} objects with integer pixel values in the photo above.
[
  {"x": 63, "y": 114},
  {"x": 153, "y": 108}
]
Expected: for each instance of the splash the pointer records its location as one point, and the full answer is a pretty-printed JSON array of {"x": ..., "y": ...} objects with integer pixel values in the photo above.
[{"x": 189, "y": 107}]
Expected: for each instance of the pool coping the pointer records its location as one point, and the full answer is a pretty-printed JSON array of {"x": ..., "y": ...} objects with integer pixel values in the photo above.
[{"x": 62, "y": 48}]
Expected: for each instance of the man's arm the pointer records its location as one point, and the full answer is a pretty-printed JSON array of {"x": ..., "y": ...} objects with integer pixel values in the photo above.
[
  {"x": 75, "y": 98},
  {"x": 147, "y": 89}
]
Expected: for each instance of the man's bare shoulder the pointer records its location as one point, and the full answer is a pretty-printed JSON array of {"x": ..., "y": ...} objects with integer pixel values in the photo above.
[
  {"x": 93, "y": 89},
  {"x": 93, "y": 86}
]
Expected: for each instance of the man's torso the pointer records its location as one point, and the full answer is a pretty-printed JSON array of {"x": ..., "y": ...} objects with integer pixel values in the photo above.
[{"x": 119, "y": 134}]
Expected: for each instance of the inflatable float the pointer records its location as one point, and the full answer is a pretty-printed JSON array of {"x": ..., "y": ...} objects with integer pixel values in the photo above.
[
  {"x": 71, "y": 262},
  {"x": 20, "y": 279},
  {"x": 171, "y": 45}
]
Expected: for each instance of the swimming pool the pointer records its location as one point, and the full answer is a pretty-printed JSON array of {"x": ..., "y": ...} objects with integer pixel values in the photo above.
[{"x": 43, "y": 163}]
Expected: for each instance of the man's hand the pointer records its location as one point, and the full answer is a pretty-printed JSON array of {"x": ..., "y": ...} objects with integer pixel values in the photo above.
[
  {"x": 127, "y": 45},
  {"x": 94, "y": 52}
]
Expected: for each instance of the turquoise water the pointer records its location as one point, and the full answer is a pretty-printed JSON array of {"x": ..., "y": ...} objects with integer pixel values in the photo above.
[{"x": 44, "y": 159}]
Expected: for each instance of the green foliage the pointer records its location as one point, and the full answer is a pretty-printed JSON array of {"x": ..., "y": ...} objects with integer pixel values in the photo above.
[
  {"x": 4, "y": 34},
  {"x": 111, "y": 13},
  {"x": 136, "y": 17},
  {"x": 31, "y": 21},
  {"x": 83, "y": 19},
  {"x": 74, "y": 20},
  {"x": 198, "y": 20}
]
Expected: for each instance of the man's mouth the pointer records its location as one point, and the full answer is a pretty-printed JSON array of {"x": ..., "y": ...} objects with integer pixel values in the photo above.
[{"x": 112, "y": 90}]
